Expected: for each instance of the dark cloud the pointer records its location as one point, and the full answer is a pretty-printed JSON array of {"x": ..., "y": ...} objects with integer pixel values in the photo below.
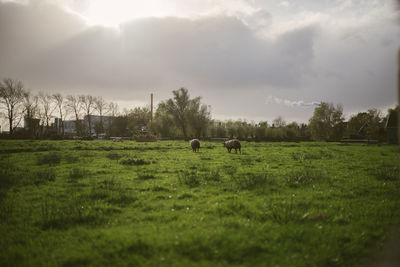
[{"x": 218, "y": 52}]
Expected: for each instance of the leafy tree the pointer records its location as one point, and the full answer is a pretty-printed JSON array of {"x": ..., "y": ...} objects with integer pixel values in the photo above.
[
  {"x": 327, "y": 122},
  {"x": 279, "y": 122},
  {"x": 292, "y": 131},
  {"x": 138, "y": 117},
  {"x": 186, "y": 114},
  {"x": 217, "y": 129},
  {"x": 119, "y": 126},
  {"x": 12, "y": 98},
  {"x": 163, "y": 123},
  {"x": 199, "y": 117},
  {"x": 366, "y": 125}
]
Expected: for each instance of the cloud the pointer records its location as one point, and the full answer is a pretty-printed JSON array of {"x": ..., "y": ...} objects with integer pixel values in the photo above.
[
  {"x": 231, "y": 54},
  {"x": 211, "y": 52},
  {"x": 299, "y": 103}
]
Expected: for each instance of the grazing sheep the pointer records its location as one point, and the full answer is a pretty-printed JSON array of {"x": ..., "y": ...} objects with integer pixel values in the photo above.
[
  {"x": 195, "y": 144},
  {"x": 234, "y": 143}
]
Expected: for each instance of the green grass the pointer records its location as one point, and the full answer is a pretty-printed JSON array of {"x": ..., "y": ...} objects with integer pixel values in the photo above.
[{"x": 103, "y": 203}]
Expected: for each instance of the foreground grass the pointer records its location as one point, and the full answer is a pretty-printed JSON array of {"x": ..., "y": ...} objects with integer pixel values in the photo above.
[{"x": 276, "y": 204}]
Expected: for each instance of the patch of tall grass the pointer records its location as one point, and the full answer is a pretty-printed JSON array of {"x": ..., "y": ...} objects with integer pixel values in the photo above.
[
  {"x": 252, "y": 180},
  {"x": 111, "y": 191},
  {"x": 304, "y": 176},
  {"x": 50, "y": 158},
  {"x": 387, "y": 173},
  {"x": 77, "y": 173},
  {"x": 133, "y": 161},
  {"x": 42, "y": 176}
]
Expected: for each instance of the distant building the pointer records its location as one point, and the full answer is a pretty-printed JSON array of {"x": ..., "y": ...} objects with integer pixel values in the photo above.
[
  {"x": 69, "y": 126},
  {"x": 95, "y": 120}
]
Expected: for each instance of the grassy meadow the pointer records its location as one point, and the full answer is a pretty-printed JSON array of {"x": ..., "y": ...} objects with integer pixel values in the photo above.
[{"x": 103, "y": 203}]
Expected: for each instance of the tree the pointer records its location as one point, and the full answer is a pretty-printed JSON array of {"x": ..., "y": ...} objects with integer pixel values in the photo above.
[
  {"x": 74, "y": 104},
  {"x": 101, "y": 106},
  {"x": 31, "y": 108},
  {"x": 163, "y": 123},
  {"x": 60, "y": 104},
  {"x": 185, "y": 112},
  {"x": 12, "y": 97},
  {"x": 199, "y": 117},
  {"x": 178, "y": 108},
  {"x": 119, "y": 126},
  {"x": 88, "y": 106},
  {"x": 113, "y": 111},
  {"x": 139, "y": 116},
  {"x": 366, "y": 125},
  {"x": 47, "y": 107},
  {"x": 278, "y": 122},
  {"x": 327, "y": 122}
]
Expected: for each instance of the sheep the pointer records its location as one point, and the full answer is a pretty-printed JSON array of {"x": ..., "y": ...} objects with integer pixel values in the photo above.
[
  {"x": 195, "y": 144},
  {"x": 234, "y": 143}
]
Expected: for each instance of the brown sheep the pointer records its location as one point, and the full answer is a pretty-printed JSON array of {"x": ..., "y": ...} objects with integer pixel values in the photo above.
[
  {"x": 234, "y": 143},
  {"x": 195, "y": 144}
]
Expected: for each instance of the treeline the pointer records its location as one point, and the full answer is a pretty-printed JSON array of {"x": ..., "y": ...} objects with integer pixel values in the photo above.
[{"x": 180, "y": 117}]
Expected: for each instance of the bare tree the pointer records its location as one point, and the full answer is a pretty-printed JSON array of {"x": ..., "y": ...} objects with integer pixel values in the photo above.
[
  {"x": 101, "y": 107},
  {"x": 88, "y": 106},
  {"x": 48, "y": 108},
  {"x": 74, "y": 105},
  {"x": 60, "y": 104},
  {"x": 113, "y": 109},
  {"x": 31, "y": 105},
  {"x": 11, "y": 98},
  {"x": 32, "y": 112}
]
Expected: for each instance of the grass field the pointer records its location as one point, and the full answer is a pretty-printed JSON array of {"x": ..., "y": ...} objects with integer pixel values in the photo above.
[{"x": 103, "y": 203}]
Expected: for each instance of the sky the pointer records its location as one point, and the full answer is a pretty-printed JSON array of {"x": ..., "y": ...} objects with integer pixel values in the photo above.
[{"x": 248, "y": 59}]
